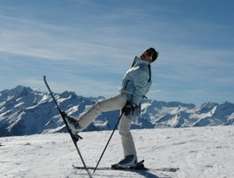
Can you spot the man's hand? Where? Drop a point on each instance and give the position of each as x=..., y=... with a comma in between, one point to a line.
x=64, y=115
x=128, y=108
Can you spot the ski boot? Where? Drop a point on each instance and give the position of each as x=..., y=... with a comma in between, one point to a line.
x=73, y=124
x=128, y=162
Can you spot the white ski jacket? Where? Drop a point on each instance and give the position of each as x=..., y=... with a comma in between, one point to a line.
x=137, y=81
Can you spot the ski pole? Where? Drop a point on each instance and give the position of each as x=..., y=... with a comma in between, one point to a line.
x=74, y=139
x=113, y=131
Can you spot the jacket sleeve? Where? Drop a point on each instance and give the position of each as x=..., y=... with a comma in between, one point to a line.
x=130, y=88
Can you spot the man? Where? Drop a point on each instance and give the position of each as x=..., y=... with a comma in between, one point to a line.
x=135, y=85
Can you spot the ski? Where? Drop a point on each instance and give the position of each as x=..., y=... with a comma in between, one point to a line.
x=136, y=170
x=109, y=168
x=73, y=137
x=139, y=167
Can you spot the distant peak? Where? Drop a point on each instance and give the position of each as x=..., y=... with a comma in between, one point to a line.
x=21, y=90
x=22, y=87
x=66, y=94
x=209, y=104
x=228, y=103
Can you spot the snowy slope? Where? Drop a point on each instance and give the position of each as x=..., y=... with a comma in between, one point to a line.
x=24, y=111
x=200, y=152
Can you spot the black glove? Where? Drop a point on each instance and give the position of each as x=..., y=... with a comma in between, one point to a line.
x=64, y=115
x=128, y=108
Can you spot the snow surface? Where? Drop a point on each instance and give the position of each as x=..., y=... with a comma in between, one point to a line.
x=201, y=152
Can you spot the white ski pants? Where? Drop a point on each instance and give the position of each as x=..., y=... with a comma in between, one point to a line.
x=113, y=103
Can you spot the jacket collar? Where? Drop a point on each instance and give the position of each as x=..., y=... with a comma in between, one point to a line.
x=140, y=61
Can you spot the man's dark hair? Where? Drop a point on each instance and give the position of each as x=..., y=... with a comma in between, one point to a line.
x=153, y=52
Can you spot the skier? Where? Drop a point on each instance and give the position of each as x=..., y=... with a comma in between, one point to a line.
x=135, y=85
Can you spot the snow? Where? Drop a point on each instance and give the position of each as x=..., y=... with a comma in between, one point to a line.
x=2, y=109
x=203, y=152
x=203, y=115
x=45, y=97
x=60, y=100
x=18, y=99
x=5, y=113
x=231, y=117
x=2, y=103
x=19, y=104
x=9, y=98
x=100, y=123
x=144, y=106
x=72, y=110
x=174, y=121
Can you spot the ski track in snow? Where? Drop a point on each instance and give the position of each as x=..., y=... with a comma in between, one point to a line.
x=205, y=152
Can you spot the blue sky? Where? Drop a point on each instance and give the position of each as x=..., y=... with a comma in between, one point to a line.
x=86, y=46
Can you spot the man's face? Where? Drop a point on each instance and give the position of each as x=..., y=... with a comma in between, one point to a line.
x=146, y=57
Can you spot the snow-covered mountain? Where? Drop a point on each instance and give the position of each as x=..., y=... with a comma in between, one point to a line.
x=24, y=111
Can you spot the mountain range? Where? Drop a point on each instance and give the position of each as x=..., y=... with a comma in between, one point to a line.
x=24, y=111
